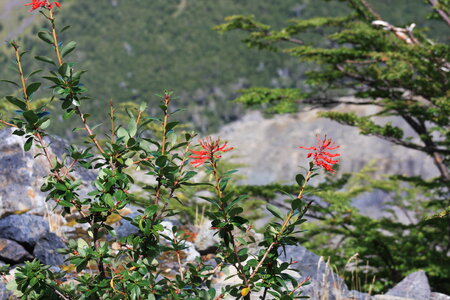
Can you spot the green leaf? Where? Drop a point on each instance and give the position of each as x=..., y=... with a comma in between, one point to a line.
x=171, y=125
x=46, y=37
x=30, y=116
x=300, y=179
x=11, y=82
x=33, y=87
x=143, y=106
x=161, y=161
x=297, y=204
x=34, y=73
x=64, y=28
x=132, y=128
x=64, y=70
x=28, y=144
x=68, y=48
x=275, y=211
x=68, y=114
x=45, y=124
x=45, y=59
x=19, y=103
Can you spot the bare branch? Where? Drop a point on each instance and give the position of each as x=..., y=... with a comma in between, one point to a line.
x=443, y=14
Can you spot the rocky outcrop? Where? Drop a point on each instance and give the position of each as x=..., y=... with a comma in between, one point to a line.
x=325, y=284
x=24, y=237
x=46, y=249
x=413, y=286
x=268, y=147
x=12, y=252
x=21, y=175
x=25, y=229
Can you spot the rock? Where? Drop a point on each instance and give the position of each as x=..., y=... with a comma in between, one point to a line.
x=206, y=240
x=46, y=250
x=324, y=283
x=387, y=297
x=4, y=293
x=25, y=229
x=21, y=176
x=414, y=286
x=439, y=296
x=126, y=228
x=13, y=253
x=262, y=141
x=357, y=295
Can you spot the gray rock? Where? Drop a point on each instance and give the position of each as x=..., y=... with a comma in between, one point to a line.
x=414, y=286
x=21, y=176
x=206, y=240
x=25, y=229
x=262, y=141
x=46, y=250
x=126, y=228
x=439, y=296
x=4, y=293
x=13, y=253
x=357, y=295
x=324, y=283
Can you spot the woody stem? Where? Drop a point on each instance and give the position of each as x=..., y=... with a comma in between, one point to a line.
x=285, y=223
x=240, y=268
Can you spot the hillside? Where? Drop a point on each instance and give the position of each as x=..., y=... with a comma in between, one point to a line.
x=148, y=47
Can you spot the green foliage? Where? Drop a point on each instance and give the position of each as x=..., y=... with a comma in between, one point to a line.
x=134, y=269
x=146, y=46
x=404, y=73
x=272, y=100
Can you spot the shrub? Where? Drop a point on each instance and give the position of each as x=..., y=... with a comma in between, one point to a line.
x=134, y=270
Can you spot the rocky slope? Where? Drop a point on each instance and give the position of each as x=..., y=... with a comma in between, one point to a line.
x=268, y=147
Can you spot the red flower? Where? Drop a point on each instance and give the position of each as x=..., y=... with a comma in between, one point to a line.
x=211, y=148
x=35, y=4
x=321, y=157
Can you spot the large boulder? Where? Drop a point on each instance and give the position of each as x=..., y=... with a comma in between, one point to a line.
x=22, y=175
x=269, y=146
x=324, y=282
x=46, y=250
x=413, y=286
x=26, y=229
x=12, y=252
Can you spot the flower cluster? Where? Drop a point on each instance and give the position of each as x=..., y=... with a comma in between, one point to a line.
x=211, y=148
x=35, y=4
x=321, y=157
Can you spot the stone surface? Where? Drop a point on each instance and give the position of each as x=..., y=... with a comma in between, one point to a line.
x=125, y=228
x=206, y=240
x=25, y=229
x=387, y=297
x=324, y=283
x=357, y=295
x=46, y=250
x=439, y=296
x=21, y=176
x=4, y=293
x=262, y=141
x=414, y=286
x=12, y=252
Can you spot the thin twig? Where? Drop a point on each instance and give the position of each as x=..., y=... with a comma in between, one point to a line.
x=435, y=4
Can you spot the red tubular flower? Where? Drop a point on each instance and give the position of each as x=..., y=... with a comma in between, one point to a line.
x=211, y=148
x=321, y=157
x=35, y=4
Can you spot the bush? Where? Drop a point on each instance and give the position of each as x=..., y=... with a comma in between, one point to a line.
x=134, y=270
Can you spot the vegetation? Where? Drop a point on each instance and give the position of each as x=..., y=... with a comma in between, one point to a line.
x=170, y=44
x=134, y=270
x=368, y=61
